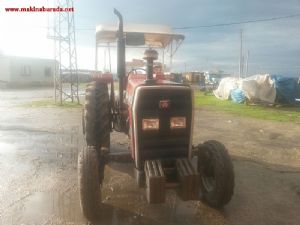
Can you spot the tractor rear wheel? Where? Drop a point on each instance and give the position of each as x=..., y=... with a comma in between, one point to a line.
x=216, y=171
x=96, y=118
x=90, y=174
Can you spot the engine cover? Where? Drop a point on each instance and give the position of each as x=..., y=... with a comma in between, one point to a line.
x=161, y=104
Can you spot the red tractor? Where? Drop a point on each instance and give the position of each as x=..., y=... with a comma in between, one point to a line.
x=157, y=115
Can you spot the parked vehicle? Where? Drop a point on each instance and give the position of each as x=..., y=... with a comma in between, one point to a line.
x=157, y=115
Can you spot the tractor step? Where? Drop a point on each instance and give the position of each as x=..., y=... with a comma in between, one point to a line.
x=189, y=180
x=155, y=181
x=182, y=176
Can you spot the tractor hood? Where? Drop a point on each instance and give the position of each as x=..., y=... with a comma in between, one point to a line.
x=137, y=80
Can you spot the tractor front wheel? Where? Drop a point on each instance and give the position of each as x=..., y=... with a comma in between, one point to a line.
x=96, y=116
x=216, y=171
x=90, y=174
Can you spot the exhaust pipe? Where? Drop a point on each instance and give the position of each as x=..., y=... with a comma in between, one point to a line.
x=121, y=69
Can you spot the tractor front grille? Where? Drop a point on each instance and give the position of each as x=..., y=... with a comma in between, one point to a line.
x=164, y=143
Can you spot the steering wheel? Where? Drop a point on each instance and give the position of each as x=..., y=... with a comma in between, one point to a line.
x=135, y=71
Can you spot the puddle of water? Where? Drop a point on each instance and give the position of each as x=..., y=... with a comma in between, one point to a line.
x=48, y=207
x=43, y=207
x=7, y=148
x=129, y=205
x=52, y=184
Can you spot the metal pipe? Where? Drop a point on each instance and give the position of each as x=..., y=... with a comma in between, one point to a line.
x=121, y=69
x=241, y=55
x=96, y=56
x=109, y=57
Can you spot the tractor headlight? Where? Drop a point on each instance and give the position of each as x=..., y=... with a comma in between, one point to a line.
x=150, y=124
x=177, y=122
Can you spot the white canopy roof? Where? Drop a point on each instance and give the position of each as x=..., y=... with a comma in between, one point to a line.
x=155, y=35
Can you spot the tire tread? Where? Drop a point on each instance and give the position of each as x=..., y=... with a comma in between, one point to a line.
x=223, y=170
x=97, y=115
x=89, y=184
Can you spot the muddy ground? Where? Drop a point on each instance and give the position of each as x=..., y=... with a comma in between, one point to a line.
x=38, y=170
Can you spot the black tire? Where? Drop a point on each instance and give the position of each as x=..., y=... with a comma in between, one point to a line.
x=217, y=175
x=96, y=120
x=89, y=182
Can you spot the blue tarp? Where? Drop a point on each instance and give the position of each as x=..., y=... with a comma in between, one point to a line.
x=287, y=89
x=237, y=95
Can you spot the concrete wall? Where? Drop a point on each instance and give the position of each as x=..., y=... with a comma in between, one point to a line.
x=4, y=70
x=31, y=71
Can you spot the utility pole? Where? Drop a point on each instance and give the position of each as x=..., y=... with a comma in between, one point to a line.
x=241, y=55
x=247, y=60
x=66, y=71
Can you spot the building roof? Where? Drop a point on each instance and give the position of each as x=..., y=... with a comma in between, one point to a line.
x=25, y=57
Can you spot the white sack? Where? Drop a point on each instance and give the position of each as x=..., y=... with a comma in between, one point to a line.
x=226, y=85
x=259, y=88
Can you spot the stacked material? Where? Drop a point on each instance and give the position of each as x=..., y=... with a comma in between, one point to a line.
x=287, y=89
x=225, y=87
x=260, y=88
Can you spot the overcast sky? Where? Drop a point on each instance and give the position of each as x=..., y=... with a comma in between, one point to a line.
x=274, y=47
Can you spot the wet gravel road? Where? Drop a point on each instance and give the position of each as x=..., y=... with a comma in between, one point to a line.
x=38, y=170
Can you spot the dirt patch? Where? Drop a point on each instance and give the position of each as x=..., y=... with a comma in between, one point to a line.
x=264, y=141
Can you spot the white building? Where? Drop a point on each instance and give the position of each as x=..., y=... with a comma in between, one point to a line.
x=18, y=71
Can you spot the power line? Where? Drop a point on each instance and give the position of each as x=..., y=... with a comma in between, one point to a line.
x=221, y=24
x=236, y=23
x=89, y=28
